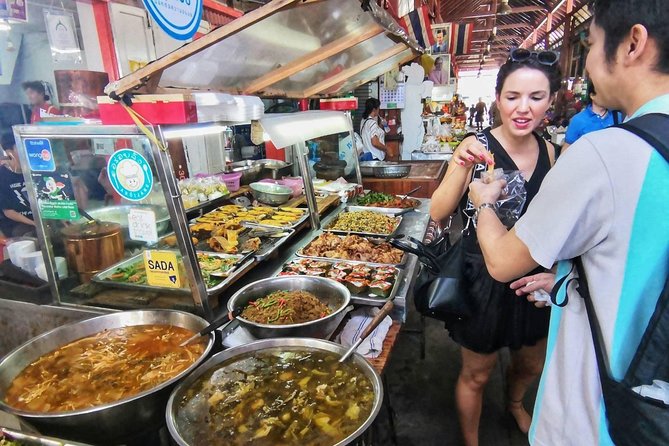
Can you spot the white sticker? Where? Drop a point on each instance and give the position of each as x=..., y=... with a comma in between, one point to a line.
x=103, y=146
x=142, y=225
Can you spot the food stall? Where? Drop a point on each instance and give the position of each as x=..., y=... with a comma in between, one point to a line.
x=158, y=265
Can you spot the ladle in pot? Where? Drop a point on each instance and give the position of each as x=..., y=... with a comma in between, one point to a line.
x=385, y=311
x=225, y=319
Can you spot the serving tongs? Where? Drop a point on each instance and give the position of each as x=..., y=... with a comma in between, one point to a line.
x=223, y=321
x=385, y=311
x=414, y=190
x=264, y=231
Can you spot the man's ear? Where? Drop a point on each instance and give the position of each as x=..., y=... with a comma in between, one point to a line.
x=635, y=45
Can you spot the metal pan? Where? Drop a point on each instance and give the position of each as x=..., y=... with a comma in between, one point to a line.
x=376, y=241
x=328, y=228
x=35, y=439
x=392, y=211
x=295, y=224
x=368, y=298
x=234, y=274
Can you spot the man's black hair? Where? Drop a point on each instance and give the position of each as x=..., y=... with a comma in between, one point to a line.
x=7, y=140
x=370, y=105
x=35, y=86
x=617, y=17
x=591, y=92
x=553, y=73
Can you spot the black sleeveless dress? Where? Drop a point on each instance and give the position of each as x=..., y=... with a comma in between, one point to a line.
x=500, y=317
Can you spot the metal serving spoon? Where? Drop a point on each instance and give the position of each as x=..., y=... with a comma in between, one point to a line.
x=385, y=311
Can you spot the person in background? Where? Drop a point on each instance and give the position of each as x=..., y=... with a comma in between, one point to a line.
x=481, y=109
x=437, y=74
x=605, y=202
x=472, y=114
x=592, y=118
x=14, y=202
x=526, y=86
x=39, y=101
x=373, y=135
x=441, y=46
x=493, y=115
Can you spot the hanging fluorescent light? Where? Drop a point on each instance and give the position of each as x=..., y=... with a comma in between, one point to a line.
x=286, y=129
x=504, y=8
x=4, y=26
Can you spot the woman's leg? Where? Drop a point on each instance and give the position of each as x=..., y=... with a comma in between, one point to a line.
x=476, y=370
x=526, y=366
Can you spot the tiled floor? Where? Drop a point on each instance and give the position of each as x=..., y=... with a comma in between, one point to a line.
x=422, y=394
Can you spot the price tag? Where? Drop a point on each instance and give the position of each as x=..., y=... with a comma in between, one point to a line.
x=142, y=225
x=162, y=269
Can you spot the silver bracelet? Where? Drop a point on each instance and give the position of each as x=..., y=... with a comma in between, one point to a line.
x=492, y=206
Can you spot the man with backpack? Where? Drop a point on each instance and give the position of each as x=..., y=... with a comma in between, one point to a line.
x=603, y=215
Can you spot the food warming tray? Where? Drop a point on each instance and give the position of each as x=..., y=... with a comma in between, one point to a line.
x=392, y=211
x=235, y=273
x=361, y=299
x=328, y=228
x=295, y=224
x=376, y=241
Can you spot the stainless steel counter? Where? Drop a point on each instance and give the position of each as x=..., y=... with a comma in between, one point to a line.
x=413, y=223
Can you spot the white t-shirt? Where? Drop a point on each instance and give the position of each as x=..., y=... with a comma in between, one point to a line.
x=605, y=200
x=370, y=128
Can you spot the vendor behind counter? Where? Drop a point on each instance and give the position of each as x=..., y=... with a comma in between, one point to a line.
x=17, y=217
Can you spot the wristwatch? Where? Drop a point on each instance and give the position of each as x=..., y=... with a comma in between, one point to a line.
x=492, y=206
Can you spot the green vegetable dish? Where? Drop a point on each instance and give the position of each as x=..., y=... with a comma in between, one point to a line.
x=276, y=397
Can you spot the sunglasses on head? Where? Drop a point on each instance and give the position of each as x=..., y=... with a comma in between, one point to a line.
x=548, y=58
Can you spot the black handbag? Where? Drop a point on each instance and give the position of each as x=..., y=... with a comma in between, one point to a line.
x=438, y=292
x=632, y=418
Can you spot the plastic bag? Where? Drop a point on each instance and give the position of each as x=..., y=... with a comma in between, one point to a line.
x=512, y=201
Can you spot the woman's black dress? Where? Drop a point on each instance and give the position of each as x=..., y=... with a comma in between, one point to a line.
x=501, y=318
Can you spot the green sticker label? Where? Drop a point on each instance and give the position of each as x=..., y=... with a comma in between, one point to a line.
x=59, y=210
x=55, y=196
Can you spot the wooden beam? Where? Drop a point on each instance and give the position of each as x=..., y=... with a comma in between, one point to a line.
x=139, y=77
x=354, y=70
x=507, y=26
x=517, y=10
x=319, y=55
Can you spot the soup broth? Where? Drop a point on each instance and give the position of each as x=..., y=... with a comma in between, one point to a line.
x=106, y=367
x=273, y=397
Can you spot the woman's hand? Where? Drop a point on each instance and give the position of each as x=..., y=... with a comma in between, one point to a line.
x=528, y=285
x=470, y=152
x=480, y=192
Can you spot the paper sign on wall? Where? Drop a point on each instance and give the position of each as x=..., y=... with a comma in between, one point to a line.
x=162, y=269
x=62, y=33
x=142, y=225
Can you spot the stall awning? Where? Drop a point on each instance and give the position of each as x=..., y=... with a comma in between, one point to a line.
x=287, y=48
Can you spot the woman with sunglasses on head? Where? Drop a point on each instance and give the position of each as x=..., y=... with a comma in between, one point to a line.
x=526, y=86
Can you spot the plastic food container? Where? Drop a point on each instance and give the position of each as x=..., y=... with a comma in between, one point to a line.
x=232, y=180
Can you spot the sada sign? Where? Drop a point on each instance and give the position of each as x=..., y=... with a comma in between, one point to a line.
x=178, y=18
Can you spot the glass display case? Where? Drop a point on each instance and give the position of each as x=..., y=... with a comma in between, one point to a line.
x=110, y=219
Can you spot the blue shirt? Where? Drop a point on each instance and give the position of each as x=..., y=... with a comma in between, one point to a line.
x=586, y=121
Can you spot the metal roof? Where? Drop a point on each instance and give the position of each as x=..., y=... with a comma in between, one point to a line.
x=514, y=29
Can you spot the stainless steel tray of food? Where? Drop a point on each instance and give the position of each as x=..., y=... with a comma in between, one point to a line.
x=413, y=203
x=134, y=266
x=384, y=215
x=365, y=243
x=271, y=238
x=364, y=280
x=280, y=216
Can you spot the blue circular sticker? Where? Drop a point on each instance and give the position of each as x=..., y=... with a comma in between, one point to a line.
x=178, y=18
x=130, y=175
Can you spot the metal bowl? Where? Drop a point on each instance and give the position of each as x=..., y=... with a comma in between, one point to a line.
x=311, y=344
x=110, y=423
x=119, y=214
x=249, y=169
x=332, y=293
x=272, y=194
x=367, y=167
x=392, y=171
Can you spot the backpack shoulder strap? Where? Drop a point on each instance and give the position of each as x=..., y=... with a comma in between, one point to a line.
x=653, y=128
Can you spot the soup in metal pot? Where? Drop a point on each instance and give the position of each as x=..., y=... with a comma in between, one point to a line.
x=103, y=368
x=276, y=397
